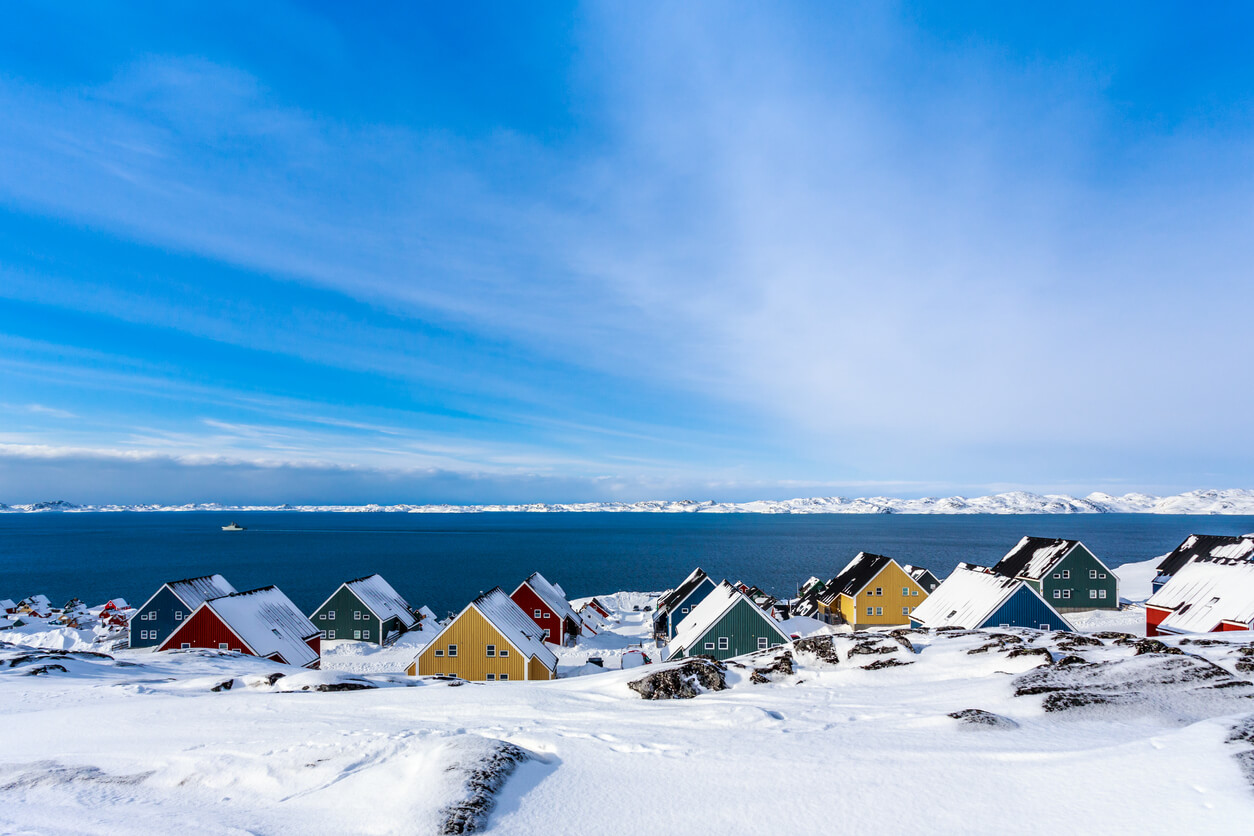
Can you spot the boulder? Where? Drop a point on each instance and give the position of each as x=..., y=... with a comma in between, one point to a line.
x=689, y=679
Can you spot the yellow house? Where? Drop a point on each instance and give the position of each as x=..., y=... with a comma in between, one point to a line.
x=872, y=591
x=491, y=640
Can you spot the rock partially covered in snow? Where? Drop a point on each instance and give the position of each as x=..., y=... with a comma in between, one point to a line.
x=691, y=678
x=981, y=719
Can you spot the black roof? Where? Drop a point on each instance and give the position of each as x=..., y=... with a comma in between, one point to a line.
x=1017, y=559
x=682, y=591
x=860, y=571
x=1198, y=545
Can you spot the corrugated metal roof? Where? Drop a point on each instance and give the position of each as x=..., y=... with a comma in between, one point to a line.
x=382, y=599
x=857, y=573
x=1207, y=545
x=514, y=624
x=709, y=612
x=195, y=591
x=682, y=591
x=552, y=595
x=269, y=622
x=1033, y=557
x=1205, y=592
x=966, y=598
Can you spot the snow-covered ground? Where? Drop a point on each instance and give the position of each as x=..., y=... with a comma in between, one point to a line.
x=1133, y=741
x=1230, y=501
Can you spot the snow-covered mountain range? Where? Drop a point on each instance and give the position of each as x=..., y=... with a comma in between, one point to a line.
x=1231, y=501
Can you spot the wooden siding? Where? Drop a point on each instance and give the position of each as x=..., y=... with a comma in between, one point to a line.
x=1025, y=610
x=472, y=633
x=677, y=615
x=1153, y=617
x=742, y=626
x=529, y=602
x=205, y=629
x=537, y=670
x=1078, y=565
x=336, y=615
x=891, y=580
x=170, y=613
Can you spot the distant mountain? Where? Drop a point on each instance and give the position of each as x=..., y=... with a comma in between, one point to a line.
x=1232, y=501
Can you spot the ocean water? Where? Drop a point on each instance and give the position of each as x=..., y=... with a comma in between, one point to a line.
x=445, y=560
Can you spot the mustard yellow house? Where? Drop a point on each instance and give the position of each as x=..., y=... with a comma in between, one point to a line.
x=872, y=591
x=491, y=640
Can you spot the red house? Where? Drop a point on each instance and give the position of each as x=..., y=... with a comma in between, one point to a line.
x=597, y=607
x=1207, y=595
x=261, y=622
x=546, y=605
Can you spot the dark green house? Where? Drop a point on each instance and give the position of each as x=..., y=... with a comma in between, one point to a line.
x=1064, y=572
x=725, y=624
x=366, y=609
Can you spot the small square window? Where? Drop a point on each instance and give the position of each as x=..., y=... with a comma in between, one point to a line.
x=222, y=646
x=914, y=593
x=905, y=592
x=1066, y=593
x=1057, y=593
x=331, y=614
x=491, y=651
x=685, y=609
x=709, y=645
x=762, y=642
x=546, y=635
x=178, y=615
x=186, y=646
x=1101, y=593
x=870, y=610
x=322, y=616
x=1093, y=594
x=546, y=615
x=1066, y=574
x=869, y=592
x=1046, y=627
x=504, y=677
x=879, y=610
x=1057, y=575
x=439, y=653
x=535, y=613
x=504, y=652
x=330, y=634
x=905, y=610
x=879, y=590
x=452, y=650
x=1093, y=574
x=491, y=677
x=356, y=615
x=723, y=643
x=1102, y=576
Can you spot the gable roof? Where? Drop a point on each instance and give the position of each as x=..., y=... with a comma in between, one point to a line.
x=7, y=604
x=514, y=625
x=268, y=622
x=921, y=576
x=1034, y=557
x=968, y=597
x=552, y=595
x=710, y=611
x=857, y=574
x=195, y=591
x=1207, y=545
x=382, y=600
x=679, y=593
x=1205, y=592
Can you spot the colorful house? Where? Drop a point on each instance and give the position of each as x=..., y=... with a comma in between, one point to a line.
x=599, y=608
x=365, y=609
x=725, y=624
x=7, y=606
x=491, y=640
x=871, y=591
x=925, y=579
x=260, y=622
x=1063, y=571
x=1206, y=595
x=678, y=604
x=1203, y=545
x=545, y=603
x=171, y=605
x=975, y=597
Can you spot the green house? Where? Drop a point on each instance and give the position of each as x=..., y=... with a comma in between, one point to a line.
x=1063, y=572
x=366, y=609
x=725, y=624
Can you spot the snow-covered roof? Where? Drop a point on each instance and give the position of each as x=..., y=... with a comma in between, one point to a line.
x=920, y=575
x=195, y=591
x=1034, y=557
x=268, y=622
x=7, y=604
x=512, y=623
x=552, y=595
x=1207, y=545
x=966, y=598
x=1205, y=592
x=382, y=599
x=709, y=612
x=427, y=614
x=857, y=573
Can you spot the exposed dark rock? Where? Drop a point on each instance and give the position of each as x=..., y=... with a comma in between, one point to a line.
x=872, y=648
x=1072, y=659
x=899, y=636
x=356, y=685
x=980, y=718
x=1155, y=646
x=53, y=774
x=782, y=665
x=691, y=678
x=274, y=677
x=1148, y=680
x=224, y=685
x=1244, y=666
x=483, y=781
x=54, y=656
x=1113, y=635
x=1040, y=652
x=821, y=647
x=1242, y=732
x=1203, y=642
x=40, y=670
x=880, y=664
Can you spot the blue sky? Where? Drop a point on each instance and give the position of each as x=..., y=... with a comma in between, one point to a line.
x=314, y=253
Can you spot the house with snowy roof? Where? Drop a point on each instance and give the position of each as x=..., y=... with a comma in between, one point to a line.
x=39, y=606
x=1203, y=545
x=725, y=624
x=1066, y=573
x=7, y=606
x=676, y=605
x=975, y=597
x=925, y=579
x=871, y=591
x=597, y=607
x=171, y=605
x=491, y=640
x=545, y=603
x=1206, y=595
x=365, y=609
x=260, y=622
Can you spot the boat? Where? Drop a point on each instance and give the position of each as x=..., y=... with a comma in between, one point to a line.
x=234, y=526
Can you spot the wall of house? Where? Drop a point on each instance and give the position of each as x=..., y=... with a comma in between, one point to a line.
x=170, y=613
x=686, y=606
x=537, y=670
x=205, y=629
x=898, y=595
x=348, y=618
x=472, y=633
x=528, y=601
x=1153, y=617
x=1025, y=610
x=742, y=626
x=1085, y=592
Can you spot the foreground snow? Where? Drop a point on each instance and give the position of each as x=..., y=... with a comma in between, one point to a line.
x=1232, y=501
x=142, y=742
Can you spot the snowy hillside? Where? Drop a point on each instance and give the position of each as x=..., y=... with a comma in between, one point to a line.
x=1231, y=501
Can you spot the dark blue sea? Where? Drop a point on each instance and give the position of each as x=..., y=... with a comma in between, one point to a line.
x=445, y=560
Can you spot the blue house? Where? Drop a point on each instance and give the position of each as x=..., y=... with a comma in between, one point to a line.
x=676, y=605
x=975, y=596
x=170, y=605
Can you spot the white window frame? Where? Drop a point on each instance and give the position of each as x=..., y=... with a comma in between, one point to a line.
x=223, y=646
x=1047, y=628
x=356, y=615
x=1101, y=593
x=185, y=646
x=356, y=635
x=331, y=634
x=331, y=614
x=535, y=613
x=440, y=653
x=1066, y=594
x=1057, y=594
x=504, y=677
x=1066, y=574
x=724, y=643
x=452, y=651
x=709, y=645
x=879, y=610
x=178, y=615
x=1092, y=574
x=491, y=651
x=546, y=615
x=879, y=591
x=870, y=610
x=546, y=634
x=491, y=677
x=905, y=610
x=762, y=642
x=503, y=653
x=1093, y=594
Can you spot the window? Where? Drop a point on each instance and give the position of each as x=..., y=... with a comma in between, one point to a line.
x=1101, y=593
x=322, y=634
x=546, y=615
x=723, y=643
x=870, y=610
x=331, y=614
x=504, y=652
x=322, y=616
x=1057, y=575
x=330, y=634
x=1057, y=593
x=491, y=651
x=915, y=593
x=439, y=653
x=491, y=677
x=356, y=615
x=879, y=610
x=879, y=590
x=761, y=642
x=685, y=609
x=178, y=615
x=357, y=635
x=1066, y=593
x=452, y=650
x=1004, y=626
x=1046, y=627
x=222, y=646
x=869, y=592
x=905, y=610
x=536, y=613
x=1102, y=576
x=905, y=592
x=1093, y=593
x=185, y=646
x=504, y=677
x=709, y=645
x=1066, y=574
x=1092, y=574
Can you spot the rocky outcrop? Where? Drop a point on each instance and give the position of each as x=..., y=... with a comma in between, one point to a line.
x=689, y=679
